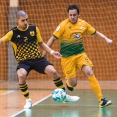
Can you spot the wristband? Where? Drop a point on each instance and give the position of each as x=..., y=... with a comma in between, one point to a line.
x=52, y=51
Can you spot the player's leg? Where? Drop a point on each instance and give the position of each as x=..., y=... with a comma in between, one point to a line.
x=69, y=68
x=71, y=83
x=45, y=66
x=88, y=71
x=52, y=72
x=22, y=71
x=49, y=70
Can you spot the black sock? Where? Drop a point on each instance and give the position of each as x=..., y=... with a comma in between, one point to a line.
x=58, y=82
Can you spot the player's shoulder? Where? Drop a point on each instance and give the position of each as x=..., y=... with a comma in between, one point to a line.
x=64, y=22
x=14, y=28
x=82, y=21
x=32, y=25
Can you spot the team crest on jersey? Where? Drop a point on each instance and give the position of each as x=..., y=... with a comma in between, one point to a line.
x=32, y=33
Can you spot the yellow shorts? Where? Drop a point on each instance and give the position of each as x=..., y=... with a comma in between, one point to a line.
x=71, y=64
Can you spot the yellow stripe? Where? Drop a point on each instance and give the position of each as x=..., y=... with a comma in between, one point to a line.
x=68, y=83
x=57, y=81
x=25, y=92
x=22, y=86
x=61, y=86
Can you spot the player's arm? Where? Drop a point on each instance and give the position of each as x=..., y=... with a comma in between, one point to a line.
x=49, y=50
x=97, y=34
x=103, y=37
x=45, y=46
x=7, y=37
x=56, y=34
x=49, y=43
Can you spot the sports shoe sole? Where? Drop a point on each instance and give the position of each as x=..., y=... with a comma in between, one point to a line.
x=71, y=101
x=109, y=103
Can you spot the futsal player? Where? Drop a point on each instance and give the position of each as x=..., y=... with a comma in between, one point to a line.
x=70, y=33
x=25, y=39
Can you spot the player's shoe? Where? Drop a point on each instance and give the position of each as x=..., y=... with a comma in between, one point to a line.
x=28, y=104
x=71, y=98
x=104, y=103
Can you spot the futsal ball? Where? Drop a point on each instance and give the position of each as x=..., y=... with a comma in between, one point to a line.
x=59, y=95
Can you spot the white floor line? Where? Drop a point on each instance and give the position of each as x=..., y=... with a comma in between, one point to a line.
x=32, y=105
x=8, y=92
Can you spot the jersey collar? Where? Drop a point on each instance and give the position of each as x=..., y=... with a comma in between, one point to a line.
x=22, y=29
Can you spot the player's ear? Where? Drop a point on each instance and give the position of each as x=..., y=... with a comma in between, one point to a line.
x=17, y=20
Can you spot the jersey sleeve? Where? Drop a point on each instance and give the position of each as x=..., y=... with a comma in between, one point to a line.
x=8, y=36
x=59, y=30
x=39, y=38
x=90, y=29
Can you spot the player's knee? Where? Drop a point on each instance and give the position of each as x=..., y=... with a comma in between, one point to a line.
x=21, y=73
x=89, y=73
x=73, y=81
x=54, y=73
x=21, y=76
x=74, y=84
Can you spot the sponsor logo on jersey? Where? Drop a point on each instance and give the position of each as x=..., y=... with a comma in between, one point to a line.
x=77, y=36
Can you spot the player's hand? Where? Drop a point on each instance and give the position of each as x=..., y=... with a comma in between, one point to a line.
x=44, y=54
x=57, y=55
x=109, y=41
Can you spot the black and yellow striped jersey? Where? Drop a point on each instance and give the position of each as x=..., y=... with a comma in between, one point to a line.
x=24, y=42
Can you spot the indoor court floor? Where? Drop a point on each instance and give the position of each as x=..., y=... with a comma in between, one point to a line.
x=12, y=103
x=87, y=106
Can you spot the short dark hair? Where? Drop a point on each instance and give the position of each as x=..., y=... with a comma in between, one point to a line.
x=72, y=7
